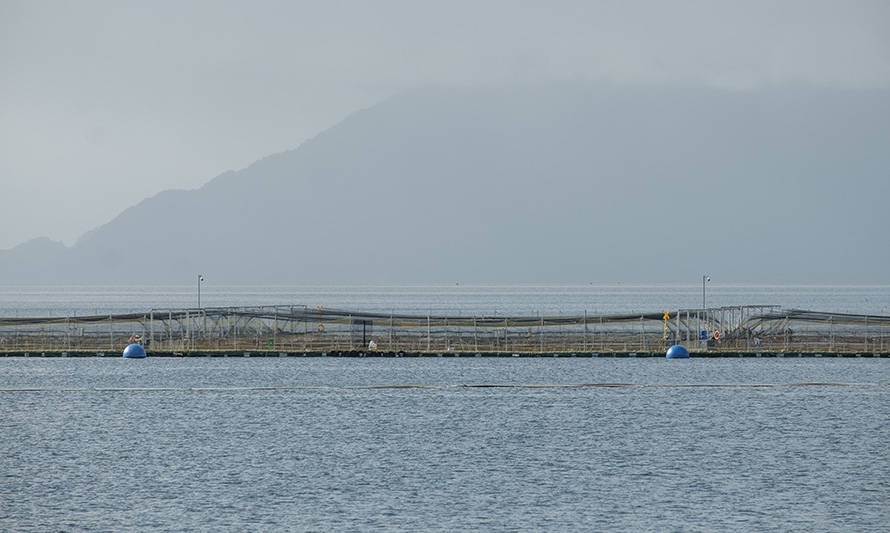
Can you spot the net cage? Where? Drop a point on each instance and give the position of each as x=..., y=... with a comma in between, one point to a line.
x=294, y=328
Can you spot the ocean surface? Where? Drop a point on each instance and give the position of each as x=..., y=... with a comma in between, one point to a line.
x=342, y=444
x=444, y=444
x=451, y=298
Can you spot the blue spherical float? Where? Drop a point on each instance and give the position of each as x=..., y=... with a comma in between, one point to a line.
x=134, y=351
x=677, y=352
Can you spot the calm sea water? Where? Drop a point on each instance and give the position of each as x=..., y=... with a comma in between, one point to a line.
x=454, y=299
x=341, y=444
x=235, y=444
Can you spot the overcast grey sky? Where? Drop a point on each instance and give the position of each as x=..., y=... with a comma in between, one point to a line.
x=105, y=103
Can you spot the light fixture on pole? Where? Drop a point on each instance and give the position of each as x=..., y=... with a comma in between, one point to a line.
x=703, y=280
x=200, y=280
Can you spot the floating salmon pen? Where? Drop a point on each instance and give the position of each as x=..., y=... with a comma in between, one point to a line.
x=282, y=330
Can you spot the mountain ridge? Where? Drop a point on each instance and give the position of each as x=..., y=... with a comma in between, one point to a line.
x=533, y=184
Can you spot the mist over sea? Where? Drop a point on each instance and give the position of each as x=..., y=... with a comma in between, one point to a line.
x=452, y=298
x=258, y=191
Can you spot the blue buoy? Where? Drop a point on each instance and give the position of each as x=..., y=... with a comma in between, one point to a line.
x=677, y=352
x=134, y=351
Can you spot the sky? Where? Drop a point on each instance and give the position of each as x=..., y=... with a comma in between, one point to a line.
x=104, y=103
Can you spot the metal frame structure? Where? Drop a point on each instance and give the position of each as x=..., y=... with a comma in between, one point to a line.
x=296, y=328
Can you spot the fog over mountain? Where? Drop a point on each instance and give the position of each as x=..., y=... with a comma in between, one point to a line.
x=558, y=183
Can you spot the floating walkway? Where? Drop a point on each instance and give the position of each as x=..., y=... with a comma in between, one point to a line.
x=385, y=354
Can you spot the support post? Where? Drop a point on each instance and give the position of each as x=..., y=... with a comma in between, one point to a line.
x=687, y=325
x=602, y=336
x=541, y=336
x=677, y=336
x=585, y=330
x=785, y=331
x=866, y=334
x=831, y=330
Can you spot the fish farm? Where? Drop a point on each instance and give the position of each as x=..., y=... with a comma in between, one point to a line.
x=290, y=330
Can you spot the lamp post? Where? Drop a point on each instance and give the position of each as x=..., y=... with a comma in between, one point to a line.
x=702, y=320
x=200, y=280
x=703, y=280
